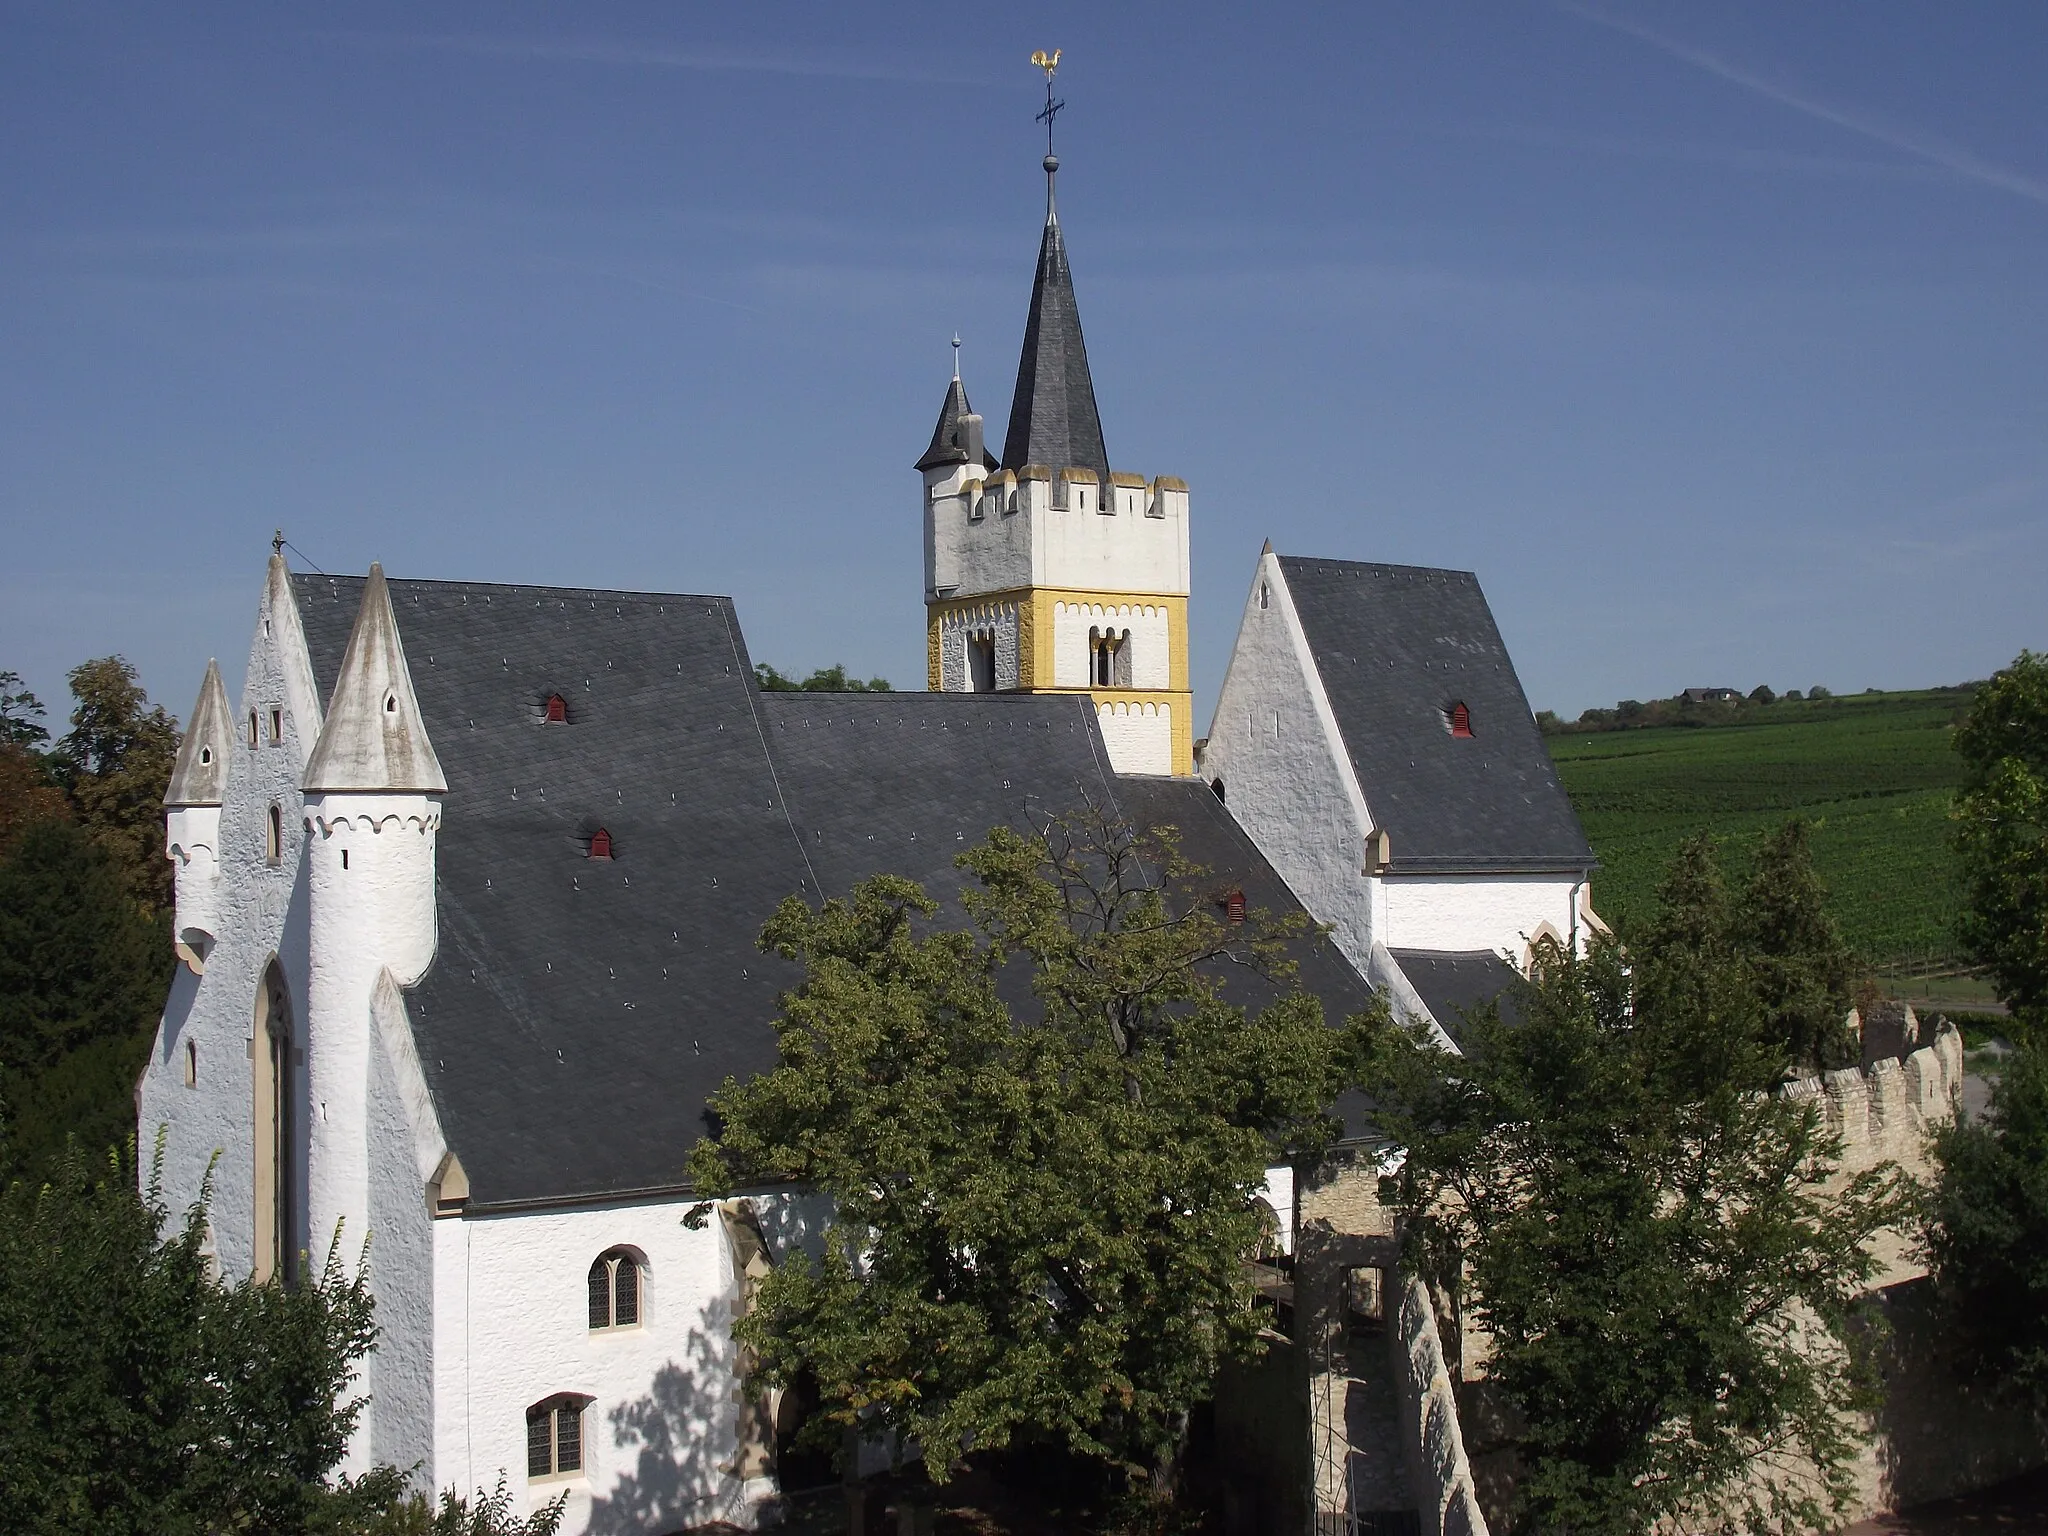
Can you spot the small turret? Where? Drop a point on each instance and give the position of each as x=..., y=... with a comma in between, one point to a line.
x=192, y=818
x=373, y=814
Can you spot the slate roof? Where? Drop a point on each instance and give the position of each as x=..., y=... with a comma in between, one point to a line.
x=949, y=443
x=1053, y=419
x=579, y=1012
x=1396, y=646
x=1453, y=983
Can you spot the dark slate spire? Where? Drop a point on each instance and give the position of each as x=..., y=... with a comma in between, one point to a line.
x=957, y=437
x=1053, y=420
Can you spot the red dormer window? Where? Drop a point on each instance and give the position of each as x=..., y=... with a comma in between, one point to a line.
x=1459, y=718
x=600, y=844
x=558, y=710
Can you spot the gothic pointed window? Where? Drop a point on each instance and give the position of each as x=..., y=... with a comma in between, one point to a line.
x=615, y=1290
x=273, y=846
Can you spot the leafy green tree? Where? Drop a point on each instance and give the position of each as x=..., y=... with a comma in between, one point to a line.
x=115, y=764
x=28, y=794
x=1987, y=1232
x=21, y=714
x=1762, y=694
x=832, y=679
x=1795, y=949
x=82, y=977
x=2001, y=836
x=1668, y=1278
x=1041, y=1214
x=139, y=1394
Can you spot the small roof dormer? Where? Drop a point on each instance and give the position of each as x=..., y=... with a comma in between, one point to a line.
x=957, y=439
x=201, y=771
x=375, y=739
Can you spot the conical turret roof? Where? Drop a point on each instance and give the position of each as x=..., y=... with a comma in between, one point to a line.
x=1053, y=420
x=201, y=770
x=374, y=739
x=949, y=442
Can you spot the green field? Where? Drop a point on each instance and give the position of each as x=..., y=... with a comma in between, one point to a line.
x=1871, y=773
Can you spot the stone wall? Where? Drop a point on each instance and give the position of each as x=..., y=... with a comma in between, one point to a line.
x=1439, y=1473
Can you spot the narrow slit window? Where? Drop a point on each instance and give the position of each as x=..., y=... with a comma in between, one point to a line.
x=277, y=727
x=273, y=849
x=191, y=1064
x=252, y=728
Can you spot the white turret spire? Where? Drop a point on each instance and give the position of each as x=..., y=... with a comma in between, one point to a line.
x=202, y=767
x=374, y=739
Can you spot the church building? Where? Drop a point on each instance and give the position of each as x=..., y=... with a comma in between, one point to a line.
x=469, y=880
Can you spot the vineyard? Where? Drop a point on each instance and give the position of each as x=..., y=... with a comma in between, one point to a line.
x=1870, y=773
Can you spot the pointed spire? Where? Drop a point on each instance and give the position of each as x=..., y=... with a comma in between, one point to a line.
x=375, y=738
x=202, y=766
x=1053, y=419
x=957, y=437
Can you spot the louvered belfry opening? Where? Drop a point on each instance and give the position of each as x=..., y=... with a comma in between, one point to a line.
x=600, y=844
x=1460, y=720
x=558, y=710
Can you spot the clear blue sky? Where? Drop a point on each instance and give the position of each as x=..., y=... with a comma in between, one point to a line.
x=1712, y=336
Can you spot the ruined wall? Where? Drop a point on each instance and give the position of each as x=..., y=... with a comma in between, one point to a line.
x=1440, y=1475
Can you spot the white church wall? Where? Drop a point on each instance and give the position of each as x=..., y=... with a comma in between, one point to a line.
x=1113, y=551
x=399, y=1374
x=260, y=912
x=972, y=554
x=1275, y=748
x=1138, y=736
x=512, y=1325
x=1500, y=913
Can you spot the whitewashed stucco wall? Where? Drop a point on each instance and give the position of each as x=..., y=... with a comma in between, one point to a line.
x=1275, y=748
x=1150, y=642
x=512, y=1328
x=1500, y=913
x=1137, y=736
x=259, y=910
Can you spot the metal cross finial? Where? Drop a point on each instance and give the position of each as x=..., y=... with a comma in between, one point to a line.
x=277, y=543
x=1049, y=62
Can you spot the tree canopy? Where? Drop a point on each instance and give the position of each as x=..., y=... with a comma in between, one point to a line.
x=1646, y=1230
x=1042, y=1132
x=832, y=679
x=2001, y=836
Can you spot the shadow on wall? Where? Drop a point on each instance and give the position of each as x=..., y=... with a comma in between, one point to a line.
x=683, y=1429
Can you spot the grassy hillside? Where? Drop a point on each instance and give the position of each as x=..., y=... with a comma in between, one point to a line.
x=1872, y=773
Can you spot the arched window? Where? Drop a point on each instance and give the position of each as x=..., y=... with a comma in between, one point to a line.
x=252, y=728
x=600, y=844
x=1107, y=644
x=273, y=847
x=558, y=710
x=981, y=663
x=1217, y=786
x=615, y=1290
x=191, y=1064
x=1459, y=719
x=554, y=1436
x=277, y=727
x=271, y=1059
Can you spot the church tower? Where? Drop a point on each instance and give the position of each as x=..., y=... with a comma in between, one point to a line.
x=1045, y=571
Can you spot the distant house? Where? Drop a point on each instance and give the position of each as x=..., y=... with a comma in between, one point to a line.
x=1712, y=696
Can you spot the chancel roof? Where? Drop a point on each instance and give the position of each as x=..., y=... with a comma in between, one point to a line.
x=1398, y=648
x=579, y=1011
x=1456, y=983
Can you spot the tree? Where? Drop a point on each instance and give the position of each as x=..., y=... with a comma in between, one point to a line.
x=21, y=713
x=1040, y=1214
x=115, y=764
x=28, y=794
x=1987, y=1233
x=140, y=1394
x=82, y=976
x=1762, y=694
x=1795, y=948
x=832, y=679
x=2001, y=836
x=1667, y=1274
